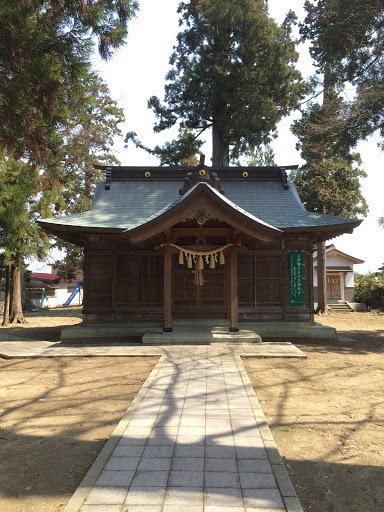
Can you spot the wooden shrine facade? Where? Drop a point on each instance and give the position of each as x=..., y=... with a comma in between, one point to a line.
x=237, y=247
x=124, y=283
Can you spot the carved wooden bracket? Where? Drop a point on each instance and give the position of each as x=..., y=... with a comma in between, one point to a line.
x=202, y=216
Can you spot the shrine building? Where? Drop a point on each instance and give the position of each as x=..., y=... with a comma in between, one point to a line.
x=167, y=243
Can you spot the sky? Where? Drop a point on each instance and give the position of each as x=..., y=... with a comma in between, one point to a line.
x=137, y=72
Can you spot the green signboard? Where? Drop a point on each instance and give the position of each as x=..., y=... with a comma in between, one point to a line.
x=296, y=288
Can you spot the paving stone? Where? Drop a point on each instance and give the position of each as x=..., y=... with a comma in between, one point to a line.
x=133, y=441
x=142, y=508
x=208, y=421
x=257, y=481
x=189, y=451
x=254, y=466
x=251, y=442
x=158, y=451
x=220, y=452
x=190, y=440
x=122, y=463
x=188, y=464
x=220, y=440
x=186, y=478
x=262, y=498
x=164, y=431
x=106, y=496
x=219, y=496
x=224, y=509
x=247, y=452
x=153, y=478
x=101, y=508
x=128, y=451
x=161, y=441
x=145, y=496
x=151, y=464
x=115, y=478
x=192, y=421
x=263, y=509
x=221, y=479
x=219, y=465
x=181, y=508
x=183, y=496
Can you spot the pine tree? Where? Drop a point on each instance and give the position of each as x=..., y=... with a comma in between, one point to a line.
x=233, y=71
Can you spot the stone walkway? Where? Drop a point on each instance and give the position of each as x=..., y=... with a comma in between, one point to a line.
x=194, y=439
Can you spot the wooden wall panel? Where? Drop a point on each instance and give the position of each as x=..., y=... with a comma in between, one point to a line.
x=259, y=278
x=128, y=280
x=246, y=280
x=100, y=273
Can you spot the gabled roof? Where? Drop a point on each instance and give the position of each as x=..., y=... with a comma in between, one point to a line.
x=239, y=217
x=131, y=198
x=332, y=248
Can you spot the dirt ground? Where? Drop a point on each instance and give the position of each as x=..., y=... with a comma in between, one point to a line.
x=45, y=324
x=326, y=413
x=56, y=415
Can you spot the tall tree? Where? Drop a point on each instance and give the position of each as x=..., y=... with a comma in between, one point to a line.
x=19, y=236
x=329, y=182
x=87, y=140
x=233, y=71
x=45, y=49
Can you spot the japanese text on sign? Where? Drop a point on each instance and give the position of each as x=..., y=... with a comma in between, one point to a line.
x=296, y=289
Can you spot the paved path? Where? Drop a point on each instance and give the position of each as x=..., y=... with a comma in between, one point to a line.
x=194, y=439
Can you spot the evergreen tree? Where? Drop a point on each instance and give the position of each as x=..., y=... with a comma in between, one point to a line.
x=20, y=237
x=233, y=71
x=329, y=182
x=87, y=140
x=45, y=49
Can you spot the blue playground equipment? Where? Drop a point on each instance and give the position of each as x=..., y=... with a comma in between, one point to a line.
x=79, y=287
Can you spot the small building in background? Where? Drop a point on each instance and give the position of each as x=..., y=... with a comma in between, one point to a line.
x=340, y=276
x=44, y=289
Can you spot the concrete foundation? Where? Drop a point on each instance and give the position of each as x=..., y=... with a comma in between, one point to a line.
x=199, y=331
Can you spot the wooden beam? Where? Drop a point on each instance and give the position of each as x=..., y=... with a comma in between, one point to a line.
x=234, y=296
x=167, y=291
x=177, y=232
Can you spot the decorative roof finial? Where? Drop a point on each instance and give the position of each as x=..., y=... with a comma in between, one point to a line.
x=201, y=173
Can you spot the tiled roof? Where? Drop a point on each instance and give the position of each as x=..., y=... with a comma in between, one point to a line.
x=219, y=197
x=130, y=203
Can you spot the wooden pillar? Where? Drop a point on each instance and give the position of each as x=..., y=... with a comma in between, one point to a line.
x=284, y=276
x=322, y=307
x=310, y=277
x=233, y=294
x=167, y=291
x=114, y=274
x=85, y=274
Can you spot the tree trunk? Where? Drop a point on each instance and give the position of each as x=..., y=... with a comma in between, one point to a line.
x=322, y=307
x=220, y=148
x=16, y=314
x=7, y=299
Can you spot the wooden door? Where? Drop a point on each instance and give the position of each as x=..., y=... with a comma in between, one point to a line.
x=206, y=301
x=333, y=287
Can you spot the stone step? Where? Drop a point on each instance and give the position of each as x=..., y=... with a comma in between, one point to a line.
x=340, y=306
x=187, y=335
